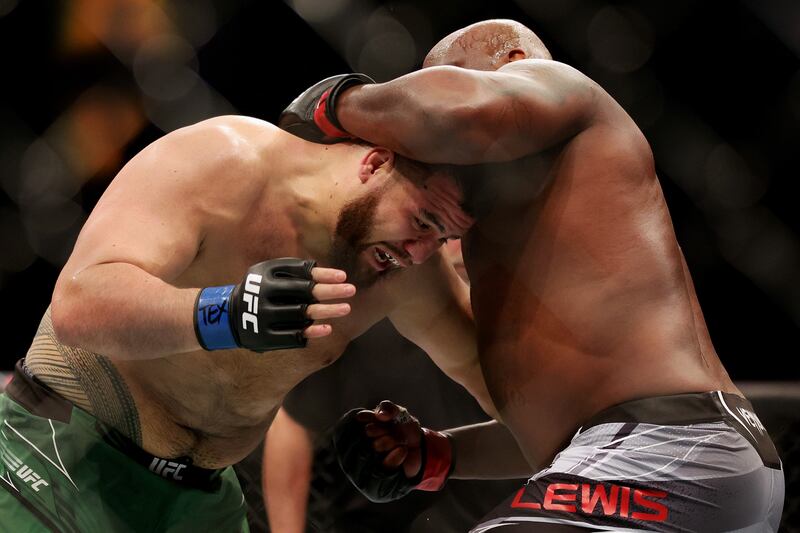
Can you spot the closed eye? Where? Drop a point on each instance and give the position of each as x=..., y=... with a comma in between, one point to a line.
x=421, y=225
x=434, y=220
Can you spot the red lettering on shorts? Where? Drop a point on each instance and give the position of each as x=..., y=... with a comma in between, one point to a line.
x=589, y=500
x=624, y=505
x=519, y=504
x=552, y=500
x=616, y=500
x=640, y=499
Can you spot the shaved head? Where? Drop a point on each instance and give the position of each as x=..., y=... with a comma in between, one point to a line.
x=487, y=45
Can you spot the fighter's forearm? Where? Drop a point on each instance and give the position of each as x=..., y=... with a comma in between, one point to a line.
x=460, y=116
x=121, y=311
x=424, y=115
x=487, y=451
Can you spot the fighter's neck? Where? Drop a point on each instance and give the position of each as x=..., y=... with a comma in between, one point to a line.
x=318, y=181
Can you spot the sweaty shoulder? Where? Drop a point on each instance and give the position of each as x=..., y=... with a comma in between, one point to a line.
x=216, y=157
x=565, y=84
x=202, y=176
x=568, y=87
x=223, y=140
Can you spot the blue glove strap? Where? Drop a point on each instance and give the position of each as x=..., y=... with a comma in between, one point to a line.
x=212, y=320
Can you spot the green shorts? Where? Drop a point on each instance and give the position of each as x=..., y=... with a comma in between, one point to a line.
x=60, y=471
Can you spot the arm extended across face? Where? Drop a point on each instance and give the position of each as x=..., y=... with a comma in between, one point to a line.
x=460, y=116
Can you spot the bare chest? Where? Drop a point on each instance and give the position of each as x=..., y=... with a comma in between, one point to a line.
x=229, y=248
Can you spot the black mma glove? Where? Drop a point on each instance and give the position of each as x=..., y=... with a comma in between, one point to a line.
x=363, y=465
x=312, y=115
x=266, y=311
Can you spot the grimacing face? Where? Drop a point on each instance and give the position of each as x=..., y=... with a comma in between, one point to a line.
x=395, y=225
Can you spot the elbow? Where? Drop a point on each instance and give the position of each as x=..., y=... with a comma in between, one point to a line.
x=64, y=315
x=63, y=323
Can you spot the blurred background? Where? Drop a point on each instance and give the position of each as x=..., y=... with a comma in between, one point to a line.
x=715, y=86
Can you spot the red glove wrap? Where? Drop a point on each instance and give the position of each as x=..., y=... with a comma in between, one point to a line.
x=438, y=460
x=322, y=121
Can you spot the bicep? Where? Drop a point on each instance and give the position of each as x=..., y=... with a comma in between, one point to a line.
x=150, y=216
x=530, y=106
x=453, y=115
x=161, y=245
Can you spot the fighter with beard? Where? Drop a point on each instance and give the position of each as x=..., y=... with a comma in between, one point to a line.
x=147, y=379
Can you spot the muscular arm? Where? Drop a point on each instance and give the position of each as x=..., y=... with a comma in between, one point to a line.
x=433, y=311
x=286, y=479
x=454, y=115
x=488, y=451
x=479, y=451
x=116, y=294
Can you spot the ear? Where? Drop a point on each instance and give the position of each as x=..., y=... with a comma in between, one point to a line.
x=516, y=54
x=378, y=158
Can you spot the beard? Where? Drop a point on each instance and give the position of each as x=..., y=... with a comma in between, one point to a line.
x=352, y=227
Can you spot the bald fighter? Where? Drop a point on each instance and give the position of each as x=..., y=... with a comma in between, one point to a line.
x=175, y=329
x=592, y=341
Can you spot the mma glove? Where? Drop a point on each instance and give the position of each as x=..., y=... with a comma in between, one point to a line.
x=312, y=115
x=364, y=467
x=266, y=311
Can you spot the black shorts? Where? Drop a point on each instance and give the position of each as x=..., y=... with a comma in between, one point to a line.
x=688, y=462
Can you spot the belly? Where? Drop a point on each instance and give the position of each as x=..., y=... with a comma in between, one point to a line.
x=554, y=352
x=542, y=397
x=215, y=407
x=211, y=406
x=224, y=447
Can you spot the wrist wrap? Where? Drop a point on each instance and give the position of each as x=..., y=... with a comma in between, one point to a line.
x=212, y=323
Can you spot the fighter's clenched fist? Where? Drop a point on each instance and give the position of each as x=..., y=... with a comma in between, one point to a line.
x=386, y=453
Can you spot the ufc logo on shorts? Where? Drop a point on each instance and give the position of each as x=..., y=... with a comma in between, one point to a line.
x=252, y=285
x=24, y=472
x=167, y=469
x=32, y=478
x=751, y=418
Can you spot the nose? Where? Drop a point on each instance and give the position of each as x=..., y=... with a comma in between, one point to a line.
x=419, y=250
